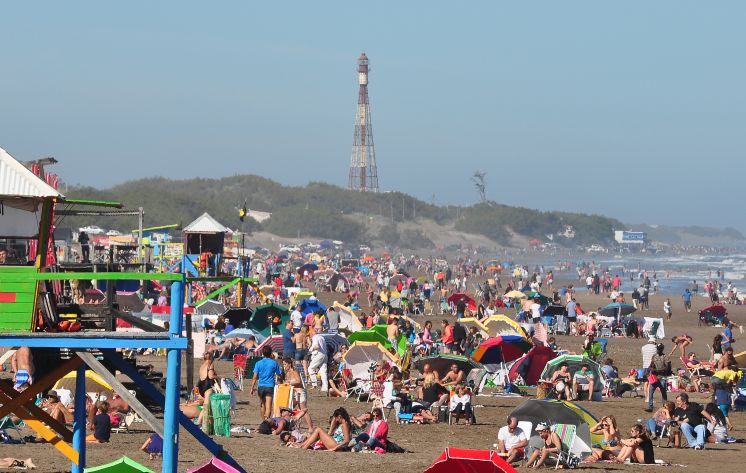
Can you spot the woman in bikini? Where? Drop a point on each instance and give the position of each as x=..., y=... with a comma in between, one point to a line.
x=609, y=447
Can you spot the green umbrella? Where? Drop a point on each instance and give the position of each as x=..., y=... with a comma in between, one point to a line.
x=269, y=317
x=543, y=300
x=123, y=465
x=378, y=334
x=574, y=362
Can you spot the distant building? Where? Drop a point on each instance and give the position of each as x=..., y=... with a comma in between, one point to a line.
x=630, y=238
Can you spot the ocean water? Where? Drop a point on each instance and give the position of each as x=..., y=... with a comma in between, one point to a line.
x=676, y=273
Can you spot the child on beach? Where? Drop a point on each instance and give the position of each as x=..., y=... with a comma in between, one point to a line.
x=101, y=424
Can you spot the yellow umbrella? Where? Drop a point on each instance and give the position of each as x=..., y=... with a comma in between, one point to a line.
x=502, y=325
x=515, y=294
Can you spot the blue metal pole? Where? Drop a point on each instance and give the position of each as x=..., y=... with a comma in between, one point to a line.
x=79, y=423
x=173, y=385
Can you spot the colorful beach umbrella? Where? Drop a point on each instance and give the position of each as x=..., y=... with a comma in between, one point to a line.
x=215, y=465
x=93, y=383
x=497, y=350
x=552, y=411
x=457, y=296
x=460, y=460
x=500, y=325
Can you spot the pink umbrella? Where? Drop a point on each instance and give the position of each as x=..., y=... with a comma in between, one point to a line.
x=215, y=465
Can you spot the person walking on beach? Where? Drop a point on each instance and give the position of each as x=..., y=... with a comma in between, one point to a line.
x=660, y=367
x=667, y=309
x=687, y=296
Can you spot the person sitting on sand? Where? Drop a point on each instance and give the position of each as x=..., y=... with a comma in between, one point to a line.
x=101, y=424
x=511, y=441
x=561, y=381
x=153, y=446
x=54, y=407
x=288, y=420
x=638, y=447
x=663, y=416
x=338, y=435
x=461, y=405
x=609, y=446
x=375, y=435
x=551, y=446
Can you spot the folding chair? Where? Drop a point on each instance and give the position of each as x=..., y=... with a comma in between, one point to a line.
x=283, y=397
x=239, y=367
x=6, y=423
x=566, y=456
x=610, y=386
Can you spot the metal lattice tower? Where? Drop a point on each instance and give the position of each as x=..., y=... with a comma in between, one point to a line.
x=363, y=171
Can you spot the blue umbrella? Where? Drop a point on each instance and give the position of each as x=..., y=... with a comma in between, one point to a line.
x=246, y=333
x=617, y=309
x=311, y=304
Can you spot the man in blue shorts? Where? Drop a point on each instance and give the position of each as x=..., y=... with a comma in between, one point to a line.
x=265, y=372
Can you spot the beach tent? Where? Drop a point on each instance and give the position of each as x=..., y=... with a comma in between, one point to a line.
x=530, y=366
x=574, y=362
x=348, y=321
x=269, y=317
x=93, y=383
x=617, y=309
x=215, y=465
x=551, y=411
x=459, y=460
x=442, y=363
x=361, y=355
x=498, y=325
x=311, y=304
x=123, y=465
x=650, y=323
x=499, y=350
x=377, y=333
x=454, y=298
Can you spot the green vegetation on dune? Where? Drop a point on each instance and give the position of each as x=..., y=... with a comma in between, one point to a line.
x=324, y=211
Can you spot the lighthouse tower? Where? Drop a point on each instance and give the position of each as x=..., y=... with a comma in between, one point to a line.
x=363, y=172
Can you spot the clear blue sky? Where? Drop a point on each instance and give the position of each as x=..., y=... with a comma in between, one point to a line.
x=632, y=109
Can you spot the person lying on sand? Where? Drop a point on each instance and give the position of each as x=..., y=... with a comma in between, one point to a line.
x=15, y=463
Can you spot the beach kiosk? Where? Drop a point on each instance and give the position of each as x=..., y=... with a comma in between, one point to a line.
x=26, y=217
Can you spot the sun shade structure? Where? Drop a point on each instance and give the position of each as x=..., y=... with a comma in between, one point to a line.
x=377, y=333
x=348, y=321
x=468, y=322
x=457, y=296
x=531, y=365
x=442, y=363
x=497, y=350
x=361, y=355
x=210, y=307
x=123, y=465
x=499, y=325
x=93, y=383
x=551, y=411
x=515, y=295
x=215, y=465
x=460, y=460
x=269, y=317
x=617, y=309
x=245, y=333
x=543, y=300
x=205, y=234
x=574, y=363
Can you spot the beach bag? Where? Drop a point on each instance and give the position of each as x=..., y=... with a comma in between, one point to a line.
x=221, y=414
x=391, y=447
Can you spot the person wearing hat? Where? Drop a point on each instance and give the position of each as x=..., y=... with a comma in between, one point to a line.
x=552, y=446
x=54, y=407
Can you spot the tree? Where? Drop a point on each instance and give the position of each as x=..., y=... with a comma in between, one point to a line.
x=480, y=182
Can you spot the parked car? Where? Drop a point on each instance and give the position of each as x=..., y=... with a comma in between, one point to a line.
x=92, y=230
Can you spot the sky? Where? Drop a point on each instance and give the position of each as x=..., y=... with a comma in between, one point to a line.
x=635, y=110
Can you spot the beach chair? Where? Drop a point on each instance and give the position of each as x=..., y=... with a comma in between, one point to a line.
x=6, y=424
x=610, y=386
x=239, y=367
x=283, y=397
x=567, y=434
x=126, y=423
x=653, y=329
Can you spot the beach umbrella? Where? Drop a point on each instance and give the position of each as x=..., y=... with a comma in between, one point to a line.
x=543, y=300
x=377, y=333
x=457, y=296
x=238, y=316
x=530, y=366
x=310, y=267
x=459, y=460
x=210, y=307
x=334, y=342
x=442, y=363
x=617, y=309
x=515, y=294
x=123, y=465
x=311, y=304
x=348, y=321
x=498, y=350
x=361, y=355
x=274, y=342
x=215, y=465
x=269, y=318
x=93, y=383
x=94, y=296
x=574, y=362
x=716, y=310
x=552, y=411
x=498, y=325
x=245, y=333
